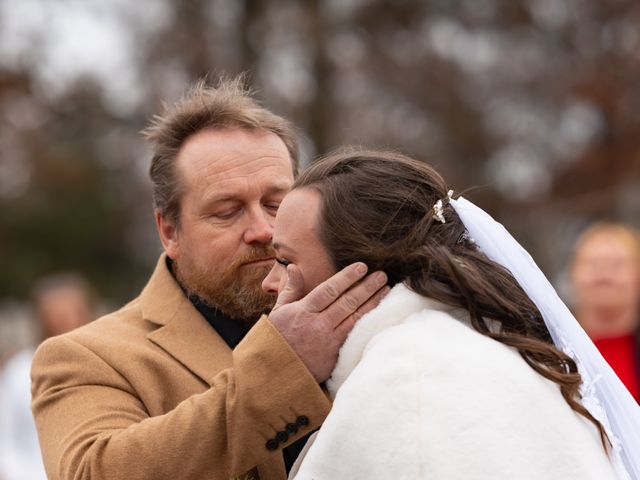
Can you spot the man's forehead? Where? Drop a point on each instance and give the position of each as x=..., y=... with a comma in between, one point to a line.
x=215, y=159
x=231, y=141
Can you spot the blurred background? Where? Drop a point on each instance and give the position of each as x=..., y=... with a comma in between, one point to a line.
x=532, y=106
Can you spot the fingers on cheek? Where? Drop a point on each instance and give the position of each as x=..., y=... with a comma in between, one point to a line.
x=330, y=291
x=357, y=315
x=347, y=305
x=344, y=328
x=282, y=282
x=374, y=301
x=377, y=280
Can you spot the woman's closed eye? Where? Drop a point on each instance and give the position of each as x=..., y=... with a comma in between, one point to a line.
x=282, y=262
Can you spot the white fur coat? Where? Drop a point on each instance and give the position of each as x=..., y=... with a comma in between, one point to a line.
x=419, y=394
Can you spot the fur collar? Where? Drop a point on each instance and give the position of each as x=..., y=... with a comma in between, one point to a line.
x=394, y=309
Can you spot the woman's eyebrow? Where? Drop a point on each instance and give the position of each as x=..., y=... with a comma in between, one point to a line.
x=280, y=246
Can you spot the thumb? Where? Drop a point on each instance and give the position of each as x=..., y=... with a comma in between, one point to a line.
x=293, y=289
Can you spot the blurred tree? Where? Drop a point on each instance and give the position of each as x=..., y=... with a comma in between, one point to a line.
x=71, y=214
x=531, y=102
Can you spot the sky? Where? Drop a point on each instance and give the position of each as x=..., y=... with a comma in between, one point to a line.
x=62, y=40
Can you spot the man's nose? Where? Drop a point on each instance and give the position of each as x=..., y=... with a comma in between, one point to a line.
x=271, y=283
x=260, y=228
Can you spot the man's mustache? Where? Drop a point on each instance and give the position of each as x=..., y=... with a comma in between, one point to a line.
x=256, y=253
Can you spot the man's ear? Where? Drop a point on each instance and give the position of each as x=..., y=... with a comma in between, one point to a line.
x=168, y=231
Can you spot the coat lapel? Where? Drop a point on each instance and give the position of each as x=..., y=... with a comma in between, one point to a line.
x=182, y=331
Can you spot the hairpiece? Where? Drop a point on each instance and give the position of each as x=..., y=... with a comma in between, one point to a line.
x=438, y=208
x=438, y=213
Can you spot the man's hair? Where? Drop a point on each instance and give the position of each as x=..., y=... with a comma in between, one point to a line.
x=228, y=105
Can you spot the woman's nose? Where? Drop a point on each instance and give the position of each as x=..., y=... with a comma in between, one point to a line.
x=271, y=283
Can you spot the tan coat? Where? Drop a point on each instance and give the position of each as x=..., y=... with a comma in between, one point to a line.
x=152, y=392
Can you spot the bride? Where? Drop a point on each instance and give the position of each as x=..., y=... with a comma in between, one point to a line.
x=463, y=371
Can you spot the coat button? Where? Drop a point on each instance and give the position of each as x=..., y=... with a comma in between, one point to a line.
x=272, y=444
x=291, y=428
x=282, y=437
x=302, y=421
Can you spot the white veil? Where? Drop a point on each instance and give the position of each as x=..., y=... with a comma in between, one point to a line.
x=604, y=395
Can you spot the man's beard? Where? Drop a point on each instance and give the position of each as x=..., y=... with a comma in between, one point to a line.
x=236, y=292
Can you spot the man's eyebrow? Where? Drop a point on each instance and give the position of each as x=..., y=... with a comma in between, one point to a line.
x=221, y=198
x=230, y=197
x=278, y=189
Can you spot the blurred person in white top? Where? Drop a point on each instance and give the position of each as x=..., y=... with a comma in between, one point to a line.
x=61, y=302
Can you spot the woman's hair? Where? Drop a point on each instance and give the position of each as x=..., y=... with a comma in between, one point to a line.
x=378, y=208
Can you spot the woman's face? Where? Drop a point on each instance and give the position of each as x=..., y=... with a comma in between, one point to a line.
x=296, y=240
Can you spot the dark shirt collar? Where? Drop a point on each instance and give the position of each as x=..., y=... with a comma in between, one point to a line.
x=231, y=330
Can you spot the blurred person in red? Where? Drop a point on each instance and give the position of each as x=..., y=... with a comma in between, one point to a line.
x=61, y=302
x=605, y=284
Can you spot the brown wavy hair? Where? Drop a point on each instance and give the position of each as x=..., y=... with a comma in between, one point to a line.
x=377, y=207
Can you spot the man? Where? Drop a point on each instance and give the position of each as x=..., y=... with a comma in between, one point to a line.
x=183, y=382
x=61, y=302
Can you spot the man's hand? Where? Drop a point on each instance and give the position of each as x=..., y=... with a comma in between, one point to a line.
x=317, y=325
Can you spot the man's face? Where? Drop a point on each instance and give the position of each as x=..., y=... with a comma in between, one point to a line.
x=234, y=181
